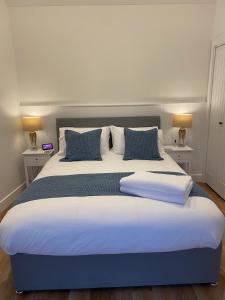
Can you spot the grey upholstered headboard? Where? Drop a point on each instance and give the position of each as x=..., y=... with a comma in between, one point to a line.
x=100, y=122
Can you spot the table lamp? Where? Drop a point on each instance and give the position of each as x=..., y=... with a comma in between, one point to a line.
x=182, y=121
x=32, y=124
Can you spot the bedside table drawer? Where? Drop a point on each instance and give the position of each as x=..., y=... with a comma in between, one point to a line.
x=34, y=161
x=180, y=156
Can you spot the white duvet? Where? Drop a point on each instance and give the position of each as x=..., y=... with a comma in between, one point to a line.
x=109, y=224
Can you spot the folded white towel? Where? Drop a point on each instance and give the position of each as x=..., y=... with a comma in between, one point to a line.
x=156, y=181
x=158, y=195
x=164, y=187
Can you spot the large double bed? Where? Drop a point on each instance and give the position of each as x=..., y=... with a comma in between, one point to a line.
x=72, y=229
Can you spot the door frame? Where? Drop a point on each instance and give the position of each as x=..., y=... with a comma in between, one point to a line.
x=218, y=41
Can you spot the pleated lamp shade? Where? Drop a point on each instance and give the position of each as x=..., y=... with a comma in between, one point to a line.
x=182, y=120
x=31, y=124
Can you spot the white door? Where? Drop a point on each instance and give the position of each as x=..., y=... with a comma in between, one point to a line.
x=215, y=171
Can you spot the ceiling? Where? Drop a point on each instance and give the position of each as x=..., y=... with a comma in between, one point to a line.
x=101, y=2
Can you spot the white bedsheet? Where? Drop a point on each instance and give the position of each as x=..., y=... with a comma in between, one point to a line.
x=111, y=163
x=109, y=224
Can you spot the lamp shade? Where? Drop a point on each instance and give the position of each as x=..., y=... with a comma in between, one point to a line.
x=182, y=120
x=31, y=123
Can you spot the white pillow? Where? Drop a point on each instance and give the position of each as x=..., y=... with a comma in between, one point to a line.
x=104, y=142
x=118, y=139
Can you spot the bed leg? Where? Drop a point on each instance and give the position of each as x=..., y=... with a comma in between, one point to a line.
x=19, y=292
x=214, y=283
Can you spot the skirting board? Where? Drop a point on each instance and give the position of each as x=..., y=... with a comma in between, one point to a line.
x=10, y=198
x=199, y=177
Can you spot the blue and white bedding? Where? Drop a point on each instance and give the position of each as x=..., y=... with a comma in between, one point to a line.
x=65, y=224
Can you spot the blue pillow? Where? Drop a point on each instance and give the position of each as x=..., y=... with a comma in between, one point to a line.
x=141, y=144
x=82, y=146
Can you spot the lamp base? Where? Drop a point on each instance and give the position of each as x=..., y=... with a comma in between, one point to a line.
x=33, y=140
x=182, y=135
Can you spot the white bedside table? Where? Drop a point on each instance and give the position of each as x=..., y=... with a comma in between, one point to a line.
x=182, y=155
x=35, y=158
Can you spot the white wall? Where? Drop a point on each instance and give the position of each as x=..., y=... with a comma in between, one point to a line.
x=112, y=54
x=11, y=171
x=219, y=26
x=115, y=54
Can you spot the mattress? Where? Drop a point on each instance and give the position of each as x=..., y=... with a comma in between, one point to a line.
x=109, y=224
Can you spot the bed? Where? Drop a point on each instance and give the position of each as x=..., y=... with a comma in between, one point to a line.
x=112, y=247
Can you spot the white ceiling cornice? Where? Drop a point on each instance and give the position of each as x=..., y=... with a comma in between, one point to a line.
x=102, y=2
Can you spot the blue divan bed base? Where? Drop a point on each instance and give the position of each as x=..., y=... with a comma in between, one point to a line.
x=40, y=272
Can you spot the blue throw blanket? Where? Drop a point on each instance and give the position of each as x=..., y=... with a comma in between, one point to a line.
x=84, y=185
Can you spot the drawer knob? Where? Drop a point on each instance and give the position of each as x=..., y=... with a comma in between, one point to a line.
x=36, y=159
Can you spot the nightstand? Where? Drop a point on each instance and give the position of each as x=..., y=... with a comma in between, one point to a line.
x=35, y=158
x=182, y=155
